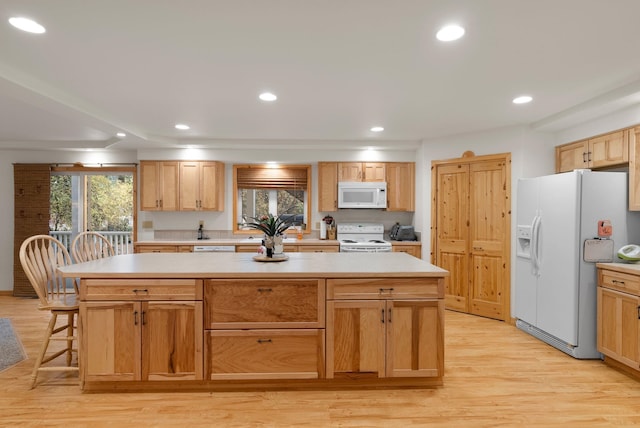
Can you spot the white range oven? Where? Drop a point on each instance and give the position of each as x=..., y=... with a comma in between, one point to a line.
x=362, y=238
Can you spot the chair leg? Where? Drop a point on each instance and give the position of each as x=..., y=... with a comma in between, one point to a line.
x=70, y=338
x=43, y=348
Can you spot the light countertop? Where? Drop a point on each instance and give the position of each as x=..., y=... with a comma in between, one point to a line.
x=630, y=268
x=242, y=265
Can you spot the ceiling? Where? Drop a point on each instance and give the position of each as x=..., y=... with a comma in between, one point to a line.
x=338, y=68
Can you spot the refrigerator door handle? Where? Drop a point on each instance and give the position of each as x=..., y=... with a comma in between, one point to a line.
x=535, y=246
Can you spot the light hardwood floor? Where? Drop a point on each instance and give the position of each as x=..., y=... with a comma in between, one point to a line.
x=495, y=375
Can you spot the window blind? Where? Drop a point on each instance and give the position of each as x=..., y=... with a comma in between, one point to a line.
x=260, y=177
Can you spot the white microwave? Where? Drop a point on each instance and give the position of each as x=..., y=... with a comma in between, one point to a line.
x=366, y=194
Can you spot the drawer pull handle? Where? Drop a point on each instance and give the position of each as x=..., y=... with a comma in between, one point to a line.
x=140, y=290
x=386, y=290
x=265, y=290
x=261, y=341
x=615, y=281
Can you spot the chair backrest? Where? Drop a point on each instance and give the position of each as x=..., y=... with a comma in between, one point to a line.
x=40, y=256
x=91, y=246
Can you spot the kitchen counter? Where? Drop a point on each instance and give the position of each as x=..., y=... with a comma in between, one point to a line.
x=223, y=321
x=234, y=241
x=630, y=268
x=242, y=265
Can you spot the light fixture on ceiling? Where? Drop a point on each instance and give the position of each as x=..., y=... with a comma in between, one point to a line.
x=377, y=129
x=449, y=33
x=182, y=126
x=121, y=134
x=26, y=24
x=267, y=96
x=523, y=99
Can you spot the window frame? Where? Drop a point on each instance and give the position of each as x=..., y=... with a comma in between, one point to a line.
x=237, y=201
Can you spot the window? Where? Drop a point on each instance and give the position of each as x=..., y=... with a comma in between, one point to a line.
x=93, y=199
x=280, y=190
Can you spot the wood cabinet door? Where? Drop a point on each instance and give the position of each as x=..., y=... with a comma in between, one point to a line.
x=327, y=186
x=401, y=179
x=634, y=169
x=618, y=330
x=572, y=156
x=610, y=149
x=355, y=339
x=414, y=330
x=350, y=171
x=172, y=335
x=111, y=341
x=169, y=185
x=489, y=238
x=374, y=171
x=150, y=183
x=211, y=186
x=451, y=184
x=189, y=186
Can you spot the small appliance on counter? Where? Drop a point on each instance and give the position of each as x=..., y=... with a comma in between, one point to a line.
x=326, y=223
x=630, y=253
x=402, y=233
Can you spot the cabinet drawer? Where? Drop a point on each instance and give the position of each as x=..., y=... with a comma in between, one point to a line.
x=156, y=248
x=385, y=288
x=264, y=354
x=284, y=303
x=141, y=289
x=319, y=248
x=619, y=281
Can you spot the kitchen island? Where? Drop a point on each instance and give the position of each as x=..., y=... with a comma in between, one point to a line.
x=222, y=321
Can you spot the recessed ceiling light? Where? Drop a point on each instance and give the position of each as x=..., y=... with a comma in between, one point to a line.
x=121, y=134
x=267, y=96
x=522, y=99
x=182, y=126
x=377, y=129
x=26, y=24
x=449, y=33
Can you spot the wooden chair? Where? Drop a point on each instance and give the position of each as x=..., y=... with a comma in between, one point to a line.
x=40, y=256
x=91, y=246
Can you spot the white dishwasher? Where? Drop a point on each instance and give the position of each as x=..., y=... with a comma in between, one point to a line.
x=214, y=248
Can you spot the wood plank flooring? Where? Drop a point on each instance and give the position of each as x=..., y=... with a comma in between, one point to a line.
x=496, y=376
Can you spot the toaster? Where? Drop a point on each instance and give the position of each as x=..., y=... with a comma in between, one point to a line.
x=402, y=233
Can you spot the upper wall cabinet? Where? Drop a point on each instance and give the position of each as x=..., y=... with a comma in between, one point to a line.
x=598, y=152
x=361, y=171
x=181, y=186
x=159, y=185
x=327, y=186
x=201, y=186
x=400, y=178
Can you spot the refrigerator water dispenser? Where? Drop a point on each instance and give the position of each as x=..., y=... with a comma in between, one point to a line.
x=523, y=239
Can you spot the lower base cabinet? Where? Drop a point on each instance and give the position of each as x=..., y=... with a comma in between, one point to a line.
x=265, y=354
x=279, y=332
x=395, y=329
x=140, y=341
x=618, y=317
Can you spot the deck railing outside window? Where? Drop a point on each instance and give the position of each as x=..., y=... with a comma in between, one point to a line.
x=121, y=241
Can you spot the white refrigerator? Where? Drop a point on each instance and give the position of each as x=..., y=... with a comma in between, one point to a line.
x=555, y=283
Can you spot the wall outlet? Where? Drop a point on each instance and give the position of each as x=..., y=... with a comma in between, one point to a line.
x=147, y=224
x=201, y=223
x=317, y=225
